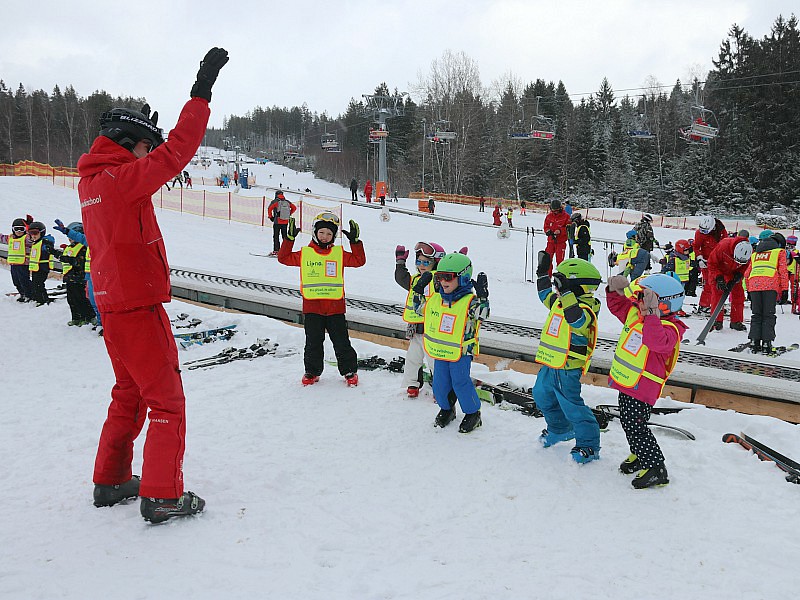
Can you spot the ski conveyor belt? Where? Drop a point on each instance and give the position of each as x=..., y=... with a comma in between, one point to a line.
x=698, y=367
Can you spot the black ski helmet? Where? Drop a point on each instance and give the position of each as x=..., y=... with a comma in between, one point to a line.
x=38, y=226
x=555, y=205
x=128, y=127
x=19, y=223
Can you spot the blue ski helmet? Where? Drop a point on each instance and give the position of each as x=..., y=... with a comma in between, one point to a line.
x=76, y=226
x=631, y=234
x=765, y=234
x=669, y=290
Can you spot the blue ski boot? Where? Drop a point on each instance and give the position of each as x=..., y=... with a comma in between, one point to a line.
x=549, y=439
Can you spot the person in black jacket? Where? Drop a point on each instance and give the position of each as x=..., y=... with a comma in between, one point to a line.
x=354, y=189
x=39, y=261
x=73, y=274
x=582, y=236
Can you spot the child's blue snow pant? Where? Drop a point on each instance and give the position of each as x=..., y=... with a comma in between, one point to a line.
x=455, y=376
x=557, y=393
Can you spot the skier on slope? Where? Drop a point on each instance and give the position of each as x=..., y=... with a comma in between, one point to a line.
x=726, y=267
x=280, y=209
x=710, y=232
x=127, y=163
x=555, y=227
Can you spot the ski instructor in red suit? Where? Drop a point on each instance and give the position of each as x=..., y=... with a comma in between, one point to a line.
x=555, y=227
x=127, y=163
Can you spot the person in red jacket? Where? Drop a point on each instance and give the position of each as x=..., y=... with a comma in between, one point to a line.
x=368, y=190
x=709, y=233
x=127, y=163
x=497, y=215
x=726, y=268
x=767, y=281
x=322, y=266
x=555, y=227
x=280, y=209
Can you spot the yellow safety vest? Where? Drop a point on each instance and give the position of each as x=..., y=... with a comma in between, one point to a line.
x=630, y=357
x=444, y=328
x=36, y=257
x=554, y=345
x=322, y=275
x=682, y=269
x=627, y=251
x=16, y=250
x=88, y=262
x=765, y=264
x=71, y=250
x=409, y=314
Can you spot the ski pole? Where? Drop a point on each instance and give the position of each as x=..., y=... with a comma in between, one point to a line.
x=701, y=339
x=527, y=235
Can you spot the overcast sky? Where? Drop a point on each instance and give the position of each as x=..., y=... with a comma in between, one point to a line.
x=324, y=52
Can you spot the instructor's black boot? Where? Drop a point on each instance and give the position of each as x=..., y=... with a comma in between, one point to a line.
x=755, y=348
x=109, y=495
x=739, y=326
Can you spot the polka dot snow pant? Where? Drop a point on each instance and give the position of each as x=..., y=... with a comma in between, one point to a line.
x=634, y=415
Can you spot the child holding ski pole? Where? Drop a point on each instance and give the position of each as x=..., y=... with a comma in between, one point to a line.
x=565, y=350
x=453, y=314
x=646, y=353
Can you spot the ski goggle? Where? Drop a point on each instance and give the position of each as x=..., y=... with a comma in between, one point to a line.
x=18, y=229
x=440, y=276
x=424, y=263
x=425, y=249
x=704, y=230
x=329, y=217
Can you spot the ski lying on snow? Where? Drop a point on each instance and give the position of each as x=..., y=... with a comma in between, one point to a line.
x=613, y=411
x=776, y=350
x=765, y=453
x=262, y=347
x=496, y=393
x=207, y=336
x=188, y=324
x=270, y=255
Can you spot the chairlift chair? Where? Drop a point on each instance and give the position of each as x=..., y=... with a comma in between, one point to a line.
x=329, y=141
x=703, y=128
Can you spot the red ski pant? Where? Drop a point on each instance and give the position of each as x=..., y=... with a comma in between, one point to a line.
x=708, y=287
x=736, y=299
x=145, y=361
x=556, y=251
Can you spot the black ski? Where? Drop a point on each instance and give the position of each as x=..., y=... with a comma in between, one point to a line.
x=612, y=411
x=765, y=453
x=778, y=350
x=375, y=362
x=189, y=324
x=523, y=399
x=260, y=348
x=205, y=337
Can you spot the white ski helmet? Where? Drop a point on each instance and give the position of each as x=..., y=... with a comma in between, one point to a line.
x=706, y=224
x=742, y=252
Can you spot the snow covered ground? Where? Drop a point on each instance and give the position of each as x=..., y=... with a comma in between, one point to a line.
x=332, y=492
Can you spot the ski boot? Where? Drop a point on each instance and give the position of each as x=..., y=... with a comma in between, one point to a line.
x=412, y=391
x=309, y=379
x=739, y=326
x=717, y=326
x=444, y=418
x=470, y=422
x=652, y=477
x=158, y=510
x=549, y=439
x=74, y=323
x=630, y=465
x=351, y=379
x=755, y=348
x=766, y=348
x=584, y=455
x=109, y=495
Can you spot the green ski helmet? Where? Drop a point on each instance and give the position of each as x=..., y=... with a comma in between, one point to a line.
x=457, y=263
x=580, y=272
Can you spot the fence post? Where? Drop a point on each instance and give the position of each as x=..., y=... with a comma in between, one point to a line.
x=263, y=208
x=181, y=199
x=229, y=207
x=204, y=204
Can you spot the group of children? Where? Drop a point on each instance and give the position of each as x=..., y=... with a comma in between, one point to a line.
x=31, y=256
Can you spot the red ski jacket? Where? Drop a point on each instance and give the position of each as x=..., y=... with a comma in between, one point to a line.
x=721, y=261
x=129, y=261
x=704, y=243
x=557, y=221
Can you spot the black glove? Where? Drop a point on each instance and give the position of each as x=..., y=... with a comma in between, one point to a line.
x=213, y=61
x=352, y=235
x=721, y=283
x=70, y=260
x=737, y=277
x=543, y=266
x=422, y=283
x=291, y=230
x=562, y=283
x=481, y=286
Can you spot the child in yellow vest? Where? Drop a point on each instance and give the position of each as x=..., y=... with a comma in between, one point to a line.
x=565, y=350
x=427, y=257
x=322, y=266
x=19, y=249
x=646, y=353
x=453, y=315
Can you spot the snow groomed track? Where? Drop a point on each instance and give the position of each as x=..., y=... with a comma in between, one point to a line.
x=698, y=369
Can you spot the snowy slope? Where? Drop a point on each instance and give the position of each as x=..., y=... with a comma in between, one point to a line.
x=330, y=492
